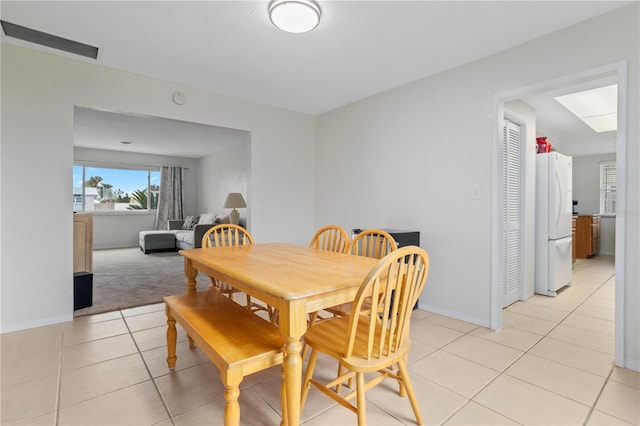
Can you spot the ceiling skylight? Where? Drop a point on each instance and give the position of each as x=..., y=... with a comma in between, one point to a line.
x=598, y=108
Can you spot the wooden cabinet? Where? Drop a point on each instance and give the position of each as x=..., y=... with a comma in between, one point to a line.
x=574, y=243
x=587, y=235
x=82, y=243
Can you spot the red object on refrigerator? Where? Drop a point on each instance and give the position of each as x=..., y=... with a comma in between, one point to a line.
x=543, y=145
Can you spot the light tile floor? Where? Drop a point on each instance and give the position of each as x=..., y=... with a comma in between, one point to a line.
x=551, y=364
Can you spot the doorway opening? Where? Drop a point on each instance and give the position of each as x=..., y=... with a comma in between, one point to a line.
x=617, y=72
x=215, y=161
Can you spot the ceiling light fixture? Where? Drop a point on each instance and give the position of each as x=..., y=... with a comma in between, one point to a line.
x=294, y=16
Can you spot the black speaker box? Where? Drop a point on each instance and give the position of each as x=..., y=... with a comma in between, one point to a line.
x=82, y=290
x=405, y=238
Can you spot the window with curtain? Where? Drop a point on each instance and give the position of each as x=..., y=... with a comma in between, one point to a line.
x=608, y=188
x=115, y=188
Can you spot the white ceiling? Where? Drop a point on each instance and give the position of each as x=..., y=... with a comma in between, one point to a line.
x=566, y=132
x=151, y=135
x=359, y=49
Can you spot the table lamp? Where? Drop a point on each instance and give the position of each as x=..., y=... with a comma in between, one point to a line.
x=234, y=200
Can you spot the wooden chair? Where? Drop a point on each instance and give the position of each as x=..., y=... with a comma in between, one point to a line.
x=374, y=243
x=377, y=337
x=225, y=235
x=331, y=238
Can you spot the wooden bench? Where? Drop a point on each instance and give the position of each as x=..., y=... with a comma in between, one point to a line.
x=236, y=340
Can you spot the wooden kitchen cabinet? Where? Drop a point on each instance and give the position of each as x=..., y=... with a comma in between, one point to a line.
x=587, y=235
x=82, y=243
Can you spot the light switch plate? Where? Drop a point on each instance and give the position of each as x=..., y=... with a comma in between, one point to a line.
x=474, y=191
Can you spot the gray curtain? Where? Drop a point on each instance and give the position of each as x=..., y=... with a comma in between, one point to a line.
x=170, y=199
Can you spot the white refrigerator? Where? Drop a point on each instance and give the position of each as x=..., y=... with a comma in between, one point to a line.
x=553, y=223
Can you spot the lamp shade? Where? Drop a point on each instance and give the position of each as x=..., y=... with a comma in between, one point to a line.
x=234, y=201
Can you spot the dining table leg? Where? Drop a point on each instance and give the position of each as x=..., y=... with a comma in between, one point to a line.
x=191, y=273
x=172, y=336
x=293, y=325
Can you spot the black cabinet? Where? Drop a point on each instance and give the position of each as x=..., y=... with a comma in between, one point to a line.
x=404, y=238
x=82, y=290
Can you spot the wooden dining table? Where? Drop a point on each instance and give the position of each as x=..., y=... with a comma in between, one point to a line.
x=294, y=279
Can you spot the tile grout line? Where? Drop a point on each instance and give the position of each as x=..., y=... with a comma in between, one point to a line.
x=500, y=373
x=56, y=417
x=568, y=313
x=469, y=399
x=503, y=372
x=155, y=385
x=567, y=316
x=61, y=370
x=604, y=384
x=592, y=406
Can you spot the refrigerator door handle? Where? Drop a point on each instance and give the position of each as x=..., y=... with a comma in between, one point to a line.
x=558, y=197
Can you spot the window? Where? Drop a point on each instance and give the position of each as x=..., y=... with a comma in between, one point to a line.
x=607, y=187
x=105, y=189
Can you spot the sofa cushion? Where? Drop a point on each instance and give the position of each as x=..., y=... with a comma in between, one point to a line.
x=185, y=237
x=189, y=222
x=207, y=219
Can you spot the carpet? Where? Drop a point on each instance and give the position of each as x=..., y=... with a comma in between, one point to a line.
x=126, y=278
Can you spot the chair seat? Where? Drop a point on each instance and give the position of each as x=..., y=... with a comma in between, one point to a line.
x=340, y=310
x=345, y=308
x=329, y=337
x=374, y=243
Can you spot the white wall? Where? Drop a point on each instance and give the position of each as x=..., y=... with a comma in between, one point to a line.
x=117, y=230
x=608, y=235
x=586, y=189
x=39, y=93
x=222, y=172
x=406, y=158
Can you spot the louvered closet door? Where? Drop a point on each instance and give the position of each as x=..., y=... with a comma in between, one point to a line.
x=511, y=213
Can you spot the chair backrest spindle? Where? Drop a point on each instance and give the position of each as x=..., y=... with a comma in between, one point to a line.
x=395, y=284
x=374, y=243
x=331, y=238
x=226, y=234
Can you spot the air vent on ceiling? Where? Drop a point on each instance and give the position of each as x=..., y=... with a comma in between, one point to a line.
x=49, y=40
